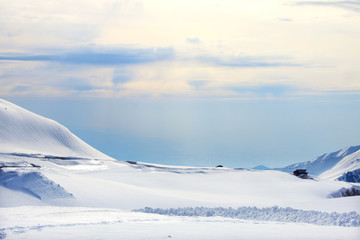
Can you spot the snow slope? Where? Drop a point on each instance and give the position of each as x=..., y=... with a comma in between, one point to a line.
x=330, y=165
x=115, y=184
x=22, y=131
x=348, y=163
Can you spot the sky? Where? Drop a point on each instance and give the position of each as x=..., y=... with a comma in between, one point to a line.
x=199, y=83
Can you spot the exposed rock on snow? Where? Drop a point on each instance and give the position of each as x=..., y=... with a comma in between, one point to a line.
x=352, y=176
x=347, y=192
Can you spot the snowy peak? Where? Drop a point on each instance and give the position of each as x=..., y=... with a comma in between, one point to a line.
x=348, y=163
x=22, y=131
x=335, y=155
x=330, y=165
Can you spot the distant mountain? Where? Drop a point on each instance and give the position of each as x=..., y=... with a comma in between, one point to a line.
x=261, y=167
x=22, y=131
x=330, y=165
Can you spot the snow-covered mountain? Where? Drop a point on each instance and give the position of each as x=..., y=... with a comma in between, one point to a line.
x=330, y=165
x=22, y=131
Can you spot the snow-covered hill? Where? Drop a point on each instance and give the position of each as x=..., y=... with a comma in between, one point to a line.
x=330, y=165
x=22, y=131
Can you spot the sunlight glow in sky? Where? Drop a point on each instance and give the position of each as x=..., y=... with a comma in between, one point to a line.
x=256, y=53
x=203, y=48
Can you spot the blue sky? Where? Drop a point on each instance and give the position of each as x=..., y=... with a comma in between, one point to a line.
x=208, y=132
x=189, y=82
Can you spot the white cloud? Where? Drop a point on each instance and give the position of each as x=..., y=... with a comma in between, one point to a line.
x=316, y=51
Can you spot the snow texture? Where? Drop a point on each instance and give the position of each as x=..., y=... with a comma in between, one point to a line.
x=274, y=214
x=22, y=131
x=32, y=183
x=352, y=176
x=346, y=192
x=49, y=222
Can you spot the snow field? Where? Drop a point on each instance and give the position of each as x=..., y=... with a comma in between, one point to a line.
x=99, y=223
x=274, y=214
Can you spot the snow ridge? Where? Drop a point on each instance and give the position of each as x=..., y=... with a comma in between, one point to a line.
x=32, y=183
x=273, y=214
x=329, y=165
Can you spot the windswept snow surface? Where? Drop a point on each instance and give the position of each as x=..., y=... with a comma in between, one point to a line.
x=22, y=131
x=32, y=183
x=98, y=223
x=115, y=184
x=273, y=214
x=330, y=165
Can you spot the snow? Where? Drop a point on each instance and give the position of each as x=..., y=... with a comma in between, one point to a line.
x=25, y=132
x=351, y=176
x=348, y=163
x=330, y=165
x=274, y=214
x=115, y=184
x=98, y=223
x=32, y=183
x=50, y=181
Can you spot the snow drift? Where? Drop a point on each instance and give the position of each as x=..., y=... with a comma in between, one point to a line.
x=274, y=214
x=32, y=183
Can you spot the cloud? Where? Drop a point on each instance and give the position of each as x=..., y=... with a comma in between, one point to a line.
x=197, y=84
x=122, y=76
x=193, y=40
x=133, y=56
x=123, y=56
x=245, y=62
x=349, y=5
x=265, y=90
x=20, y=89
x=285, y=19
x=77, y=84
